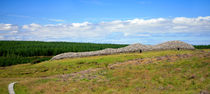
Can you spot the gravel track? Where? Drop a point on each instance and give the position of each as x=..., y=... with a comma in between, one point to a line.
x=11, y=88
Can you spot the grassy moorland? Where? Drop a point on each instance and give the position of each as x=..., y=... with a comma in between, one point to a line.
x=186, y=75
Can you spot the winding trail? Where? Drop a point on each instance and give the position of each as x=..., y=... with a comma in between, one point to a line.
x=11, y=88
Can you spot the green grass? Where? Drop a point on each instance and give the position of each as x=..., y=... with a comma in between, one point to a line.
x=155, y=78
x=20, y=89
x=76, y=64
x=160, y=77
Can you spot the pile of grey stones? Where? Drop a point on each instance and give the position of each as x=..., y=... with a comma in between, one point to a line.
x=170, y=45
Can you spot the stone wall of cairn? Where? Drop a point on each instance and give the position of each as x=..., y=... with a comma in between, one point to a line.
x=176, y=45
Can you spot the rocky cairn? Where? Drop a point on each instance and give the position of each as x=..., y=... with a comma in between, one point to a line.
x=170, y=45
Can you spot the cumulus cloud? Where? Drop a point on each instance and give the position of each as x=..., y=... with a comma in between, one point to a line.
x=126, y=29
x=31, y=27
x=192, y=21
x=8, y=27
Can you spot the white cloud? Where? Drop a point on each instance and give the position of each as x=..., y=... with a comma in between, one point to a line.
x=80, y=24
x=146, y=22
x=31, y=27
x=138, y=35
x=192, y=21
x=8, y=27
x=180, y=27
x=128, y=28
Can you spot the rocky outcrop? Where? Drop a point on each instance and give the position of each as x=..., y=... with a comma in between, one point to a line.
x=170, y=45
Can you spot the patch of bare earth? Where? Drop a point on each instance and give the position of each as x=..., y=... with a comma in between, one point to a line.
x=80, y=75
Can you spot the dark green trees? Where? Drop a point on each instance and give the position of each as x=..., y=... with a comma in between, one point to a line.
x=18, y=52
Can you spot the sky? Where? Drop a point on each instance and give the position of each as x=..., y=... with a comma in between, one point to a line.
x=106, y=21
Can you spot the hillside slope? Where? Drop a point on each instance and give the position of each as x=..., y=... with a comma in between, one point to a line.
x=150, y=72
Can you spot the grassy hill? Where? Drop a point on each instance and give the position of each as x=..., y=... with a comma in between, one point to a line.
x=185, y=71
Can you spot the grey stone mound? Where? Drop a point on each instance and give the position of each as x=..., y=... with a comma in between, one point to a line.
x=173, y=45
x=170, y=45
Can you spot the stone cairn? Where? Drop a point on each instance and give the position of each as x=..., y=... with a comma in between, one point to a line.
x=170, y=45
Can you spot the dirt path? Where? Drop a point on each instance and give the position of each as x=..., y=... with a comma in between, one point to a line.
x=11, y=88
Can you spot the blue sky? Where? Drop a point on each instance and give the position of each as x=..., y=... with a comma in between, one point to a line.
x=106, y=21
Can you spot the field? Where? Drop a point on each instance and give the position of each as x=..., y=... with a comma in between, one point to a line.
x=176, y=72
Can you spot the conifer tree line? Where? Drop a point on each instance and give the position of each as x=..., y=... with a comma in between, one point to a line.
x=18, y=52
x=202, y=46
